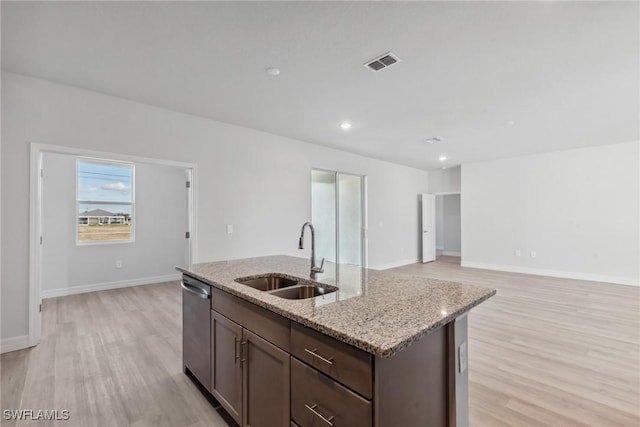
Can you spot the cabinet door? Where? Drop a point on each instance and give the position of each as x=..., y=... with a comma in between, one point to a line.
x=266, y=384
x=226, y=376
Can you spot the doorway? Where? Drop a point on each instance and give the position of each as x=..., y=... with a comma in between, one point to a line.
x=338, y=213
x=448, y=226
x=74, y=244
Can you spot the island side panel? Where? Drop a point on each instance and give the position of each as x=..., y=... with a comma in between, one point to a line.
x=458, y=372
x=412, y=387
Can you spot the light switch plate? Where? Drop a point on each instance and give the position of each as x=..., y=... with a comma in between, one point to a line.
x=229, y=228
x=462, y=357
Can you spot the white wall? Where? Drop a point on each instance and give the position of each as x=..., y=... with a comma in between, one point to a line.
x=578, y=210
x=160, y=223
x=256, y=181
x=445, y=180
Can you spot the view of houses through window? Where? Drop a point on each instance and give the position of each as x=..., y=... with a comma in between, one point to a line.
x=105, y=201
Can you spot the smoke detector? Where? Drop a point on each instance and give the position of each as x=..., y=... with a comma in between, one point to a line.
x=382, y=62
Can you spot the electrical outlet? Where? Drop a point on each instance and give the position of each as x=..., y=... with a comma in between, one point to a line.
x=119, y=263
x=533, y=254
x=517, y=252
x=229, y=228
x=462, y=357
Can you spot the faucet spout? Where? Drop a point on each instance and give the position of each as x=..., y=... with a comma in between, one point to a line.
x=314, y=269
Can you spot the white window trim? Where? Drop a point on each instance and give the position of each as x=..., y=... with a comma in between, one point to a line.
x=132, y=239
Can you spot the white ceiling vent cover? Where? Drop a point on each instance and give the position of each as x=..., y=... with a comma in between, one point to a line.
x=382, y=62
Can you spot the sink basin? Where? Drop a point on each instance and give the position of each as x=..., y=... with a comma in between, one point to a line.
x=268, y=282
x=302, y=292
x=284, y=287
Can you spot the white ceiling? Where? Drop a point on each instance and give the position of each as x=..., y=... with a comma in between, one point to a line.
x=567, y=73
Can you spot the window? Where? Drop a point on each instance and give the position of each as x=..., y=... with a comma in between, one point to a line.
x=104, y=201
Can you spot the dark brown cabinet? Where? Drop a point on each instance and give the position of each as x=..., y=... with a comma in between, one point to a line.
x=268, y=371
x=250, y=376
x=319, y=401
x=266, y=383
x=226, y=363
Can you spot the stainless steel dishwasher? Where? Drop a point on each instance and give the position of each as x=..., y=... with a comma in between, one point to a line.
x=196, y=332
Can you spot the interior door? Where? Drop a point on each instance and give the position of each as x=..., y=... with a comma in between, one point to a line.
x=428, y=228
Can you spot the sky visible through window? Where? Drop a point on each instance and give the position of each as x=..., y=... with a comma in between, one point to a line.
x=105, y=202
x=100, y=182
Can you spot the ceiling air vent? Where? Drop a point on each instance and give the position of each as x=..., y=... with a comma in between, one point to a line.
x=382, y=62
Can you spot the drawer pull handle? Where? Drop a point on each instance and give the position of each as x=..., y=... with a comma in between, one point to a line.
x=313, y=409
x=314, y=352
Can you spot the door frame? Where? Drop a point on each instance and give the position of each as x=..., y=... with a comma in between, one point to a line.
x=35, y=217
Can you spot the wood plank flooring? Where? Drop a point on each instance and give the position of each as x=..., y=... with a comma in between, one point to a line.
x=549, y=352
x=542, y=352
x=112, y=358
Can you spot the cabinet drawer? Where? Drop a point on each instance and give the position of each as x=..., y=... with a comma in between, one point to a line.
x=348, y=365
x=318, y=401
x=262, y=322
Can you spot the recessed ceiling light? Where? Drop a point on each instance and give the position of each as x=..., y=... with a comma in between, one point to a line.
x=273, y=71
x=511, y=123
x=345, y=125
x=433, y=140
x=442, y=158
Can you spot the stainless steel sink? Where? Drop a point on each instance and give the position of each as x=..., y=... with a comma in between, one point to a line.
x=302, y=292
x=268, y=282
x=283, y=287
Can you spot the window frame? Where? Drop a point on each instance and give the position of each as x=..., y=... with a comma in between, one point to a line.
x=132, y=204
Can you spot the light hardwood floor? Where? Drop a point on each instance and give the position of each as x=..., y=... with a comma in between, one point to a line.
x=549, y=352
x=542, y=352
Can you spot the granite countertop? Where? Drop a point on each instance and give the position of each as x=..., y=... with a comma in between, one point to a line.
x=379, y=312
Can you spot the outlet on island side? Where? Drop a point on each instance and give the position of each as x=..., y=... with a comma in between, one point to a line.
x=462, y=357
x=118, y=263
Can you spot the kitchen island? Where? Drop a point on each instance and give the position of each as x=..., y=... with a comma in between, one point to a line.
x=384, y=349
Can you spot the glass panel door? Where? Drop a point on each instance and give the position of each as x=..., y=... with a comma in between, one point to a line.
x=349, y=219
x=323, y=213
x=337, y=216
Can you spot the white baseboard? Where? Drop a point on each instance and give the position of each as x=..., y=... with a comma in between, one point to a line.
x=81, y=289
x=394, y=264
x=14, y=343
x=553, y=273
x=450, y=253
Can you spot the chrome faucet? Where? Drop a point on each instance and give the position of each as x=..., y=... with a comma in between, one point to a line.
x=314, y=269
